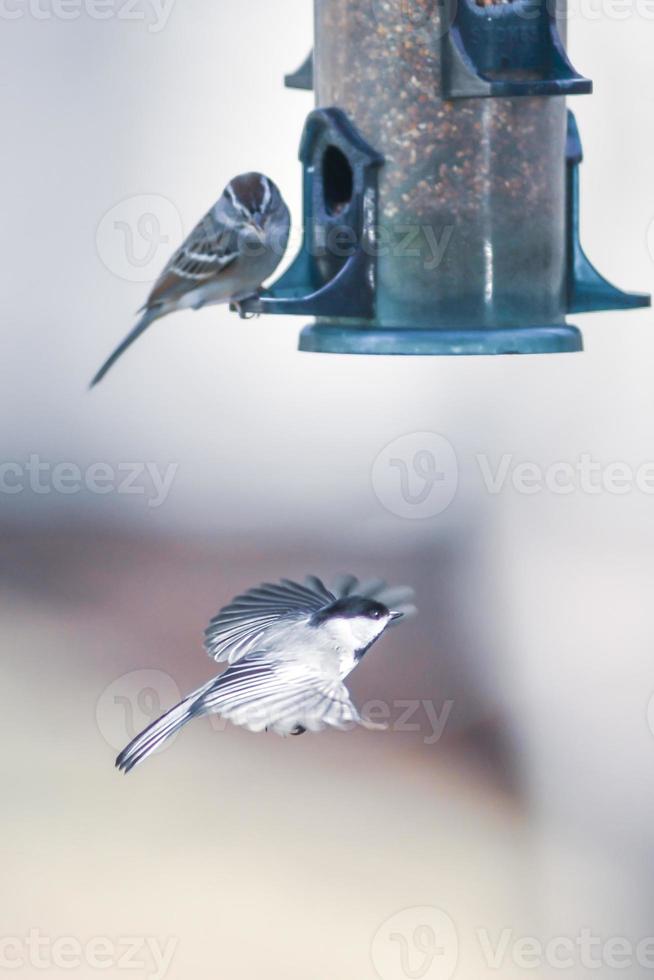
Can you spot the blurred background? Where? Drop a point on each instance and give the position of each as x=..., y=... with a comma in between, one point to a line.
x=502, y=825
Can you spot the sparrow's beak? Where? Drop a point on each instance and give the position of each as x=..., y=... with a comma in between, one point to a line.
x=396, y=615
x=259, y=231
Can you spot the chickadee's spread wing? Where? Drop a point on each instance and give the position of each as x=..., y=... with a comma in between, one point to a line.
x=242, y=625
x=205, y=254
x=260, y=692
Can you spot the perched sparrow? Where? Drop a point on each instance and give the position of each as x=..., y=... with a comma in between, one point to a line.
x=226, y=258
x=289, y=647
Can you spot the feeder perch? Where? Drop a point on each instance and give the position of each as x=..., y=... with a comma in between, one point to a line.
x=505, y=49
x=334, y=273
x=303, y=77
x=588, y=291
x=441, y=184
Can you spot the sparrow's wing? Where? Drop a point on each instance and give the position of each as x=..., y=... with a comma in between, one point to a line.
x=398, y=598
x=207, y=252
x=242, y=625
x=260, y=692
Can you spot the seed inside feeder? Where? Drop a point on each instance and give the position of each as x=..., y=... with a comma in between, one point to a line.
x=472, y=190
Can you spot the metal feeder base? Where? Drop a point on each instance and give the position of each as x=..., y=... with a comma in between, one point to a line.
x=324, y=338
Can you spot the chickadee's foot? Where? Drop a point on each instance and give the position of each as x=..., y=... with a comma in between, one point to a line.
x=298, y=730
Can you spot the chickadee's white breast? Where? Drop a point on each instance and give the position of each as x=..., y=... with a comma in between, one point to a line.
x=314, y=646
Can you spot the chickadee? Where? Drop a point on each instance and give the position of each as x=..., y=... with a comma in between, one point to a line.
x=236, y=246
x=289, y=647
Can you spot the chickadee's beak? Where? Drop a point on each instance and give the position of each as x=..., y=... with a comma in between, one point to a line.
x=396, y=615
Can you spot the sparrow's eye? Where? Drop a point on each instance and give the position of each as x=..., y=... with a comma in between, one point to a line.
x=376, y=614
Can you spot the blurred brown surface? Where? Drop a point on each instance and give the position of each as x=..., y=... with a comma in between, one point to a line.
x=260, y=855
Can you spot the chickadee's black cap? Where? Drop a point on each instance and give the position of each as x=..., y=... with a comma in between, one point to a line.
x=349, y=608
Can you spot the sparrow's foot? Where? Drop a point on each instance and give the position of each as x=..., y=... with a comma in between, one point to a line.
x=237, y=306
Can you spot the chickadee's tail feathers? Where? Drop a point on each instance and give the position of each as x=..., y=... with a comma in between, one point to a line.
x=150, y=314
x=160, y=730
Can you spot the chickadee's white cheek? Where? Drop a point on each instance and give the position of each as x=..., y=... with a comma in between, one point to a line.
x=365, y=631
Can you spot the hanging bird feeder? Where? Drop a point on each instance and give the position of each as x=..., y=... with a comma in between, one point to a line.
x=441, y=189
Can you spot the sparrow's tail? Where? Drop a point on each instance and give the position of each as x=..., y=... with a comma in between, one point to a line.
x=142, y=325
x=157, y=733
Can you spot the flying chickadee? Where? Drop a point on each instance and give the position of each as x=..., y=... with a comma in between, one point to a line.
x=289, y=647
x=236, y=246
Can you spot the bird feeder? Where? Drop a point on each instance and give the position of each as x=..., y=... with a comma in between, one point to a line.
x=441, y=189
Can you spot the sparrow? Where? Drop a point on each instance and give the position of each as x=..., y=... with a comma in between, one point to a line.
x=236, y=246
x=289, y=647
